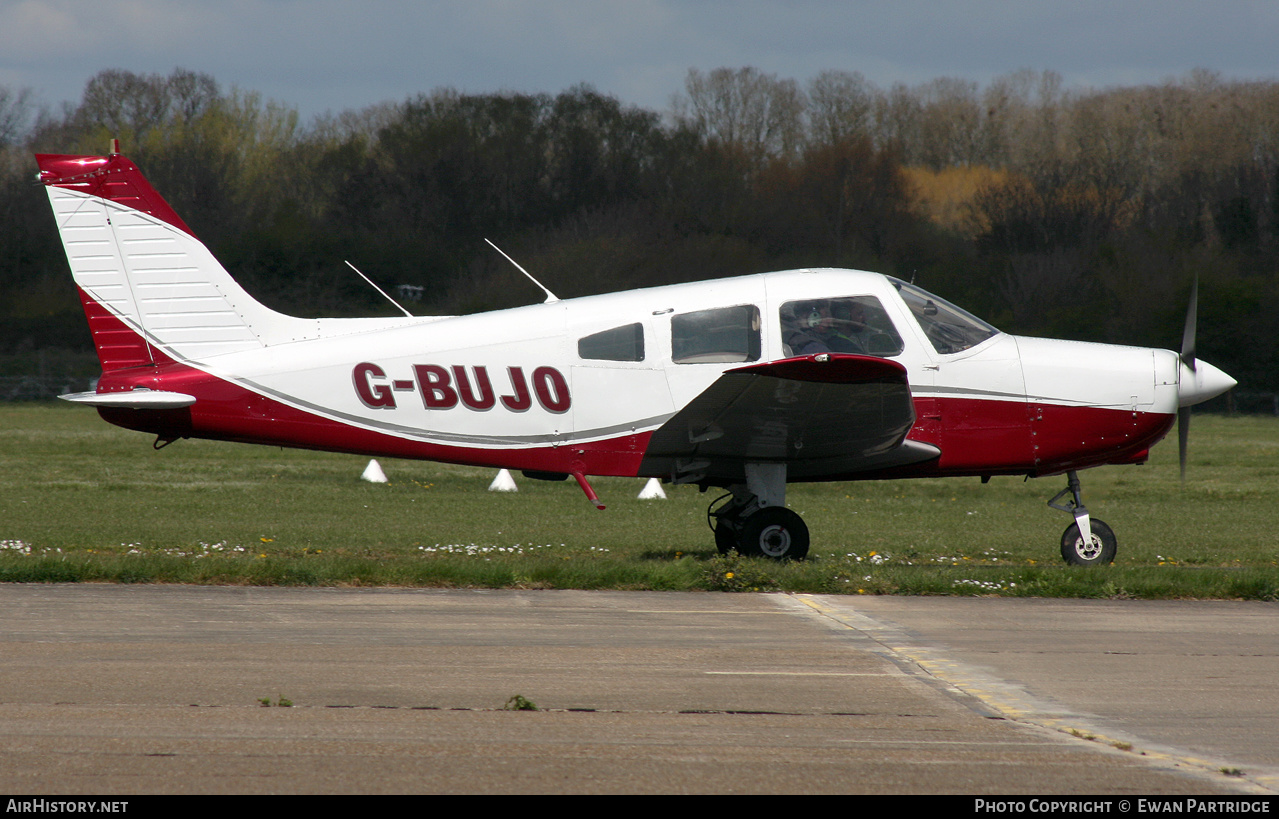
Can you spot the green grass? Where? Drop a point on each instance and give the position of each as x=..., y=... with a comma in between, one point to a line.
x=84, y=501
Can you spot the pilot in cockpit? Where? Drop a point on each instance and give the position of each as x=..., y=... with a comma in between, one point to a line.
x=824, y=326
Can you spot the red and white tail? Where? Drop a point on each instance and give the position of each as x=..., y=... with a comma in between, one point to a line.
x=151, y=290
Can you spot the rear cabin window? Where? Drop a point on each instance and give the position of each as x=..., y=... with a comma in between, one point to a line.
x=720, y=336
x=625, y=343
x=853, y=324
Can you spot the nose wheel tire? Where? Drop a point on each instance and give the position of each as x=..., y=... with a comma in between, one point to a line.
x=1099, y=551
x=775, y=532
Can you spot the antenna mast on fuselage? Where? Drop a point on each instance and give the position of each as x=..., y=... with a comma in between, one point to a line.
x=550, y=297
x=380, y=290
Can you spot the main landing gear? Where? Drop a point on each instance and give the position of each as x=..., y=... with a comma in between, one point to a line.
x=1088, y=541
x=754, y=520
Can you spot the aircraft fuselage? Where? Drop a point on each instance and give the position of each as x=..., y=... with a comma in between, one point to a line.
x=510, y=388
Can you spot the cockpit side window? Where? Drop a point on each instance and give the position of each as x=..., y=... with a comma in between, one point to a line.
x=625, y=343
x=949, y=328
x=722, y=335
x=852, y=324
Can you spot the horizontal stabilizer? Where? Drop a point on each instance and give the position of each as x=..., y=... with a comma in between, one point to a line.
x=133, y=399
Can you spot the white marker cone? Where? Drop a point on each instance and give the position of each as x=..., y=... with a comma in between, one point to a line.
x=503, y=482
x=652, y=490
x=373, y=473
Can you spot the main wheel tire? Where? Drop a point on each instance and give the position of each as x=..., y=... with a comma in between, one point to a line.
x=725, y=536
x=775, y=532
x=1099, y=552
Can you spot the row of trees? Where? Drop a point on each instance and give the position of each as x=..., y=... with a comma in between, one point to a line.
x=1077, y=213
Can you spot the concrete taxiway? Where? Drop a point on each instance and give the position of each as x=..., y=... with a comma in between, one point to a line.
x=160, y=689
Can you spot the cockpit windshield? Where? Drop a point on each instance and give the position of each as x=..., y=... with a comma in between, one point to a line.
x=949, y=328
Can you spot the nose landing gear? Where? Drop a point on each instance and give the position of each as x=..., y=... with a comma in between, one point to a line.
x=1088, y=541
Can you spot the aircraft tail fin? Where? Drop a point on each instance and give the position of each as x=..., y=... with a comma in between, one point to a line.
x=151, y=290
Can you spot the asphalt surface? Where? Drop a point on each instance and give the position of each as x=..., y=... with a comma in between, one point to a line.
x=159, y=689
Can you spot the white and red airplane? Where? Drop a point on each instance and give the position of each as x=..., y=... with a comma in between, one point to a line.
x=745, y=383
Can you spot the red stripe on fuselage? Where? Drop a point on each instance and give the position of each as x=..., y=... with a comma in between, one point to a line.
x=977, y=437
x=988, y=437
x=1069, y=438
x=229, y=412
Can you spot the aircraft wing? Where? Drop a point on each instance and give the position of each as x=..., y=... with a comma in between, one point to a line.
x=822, y=415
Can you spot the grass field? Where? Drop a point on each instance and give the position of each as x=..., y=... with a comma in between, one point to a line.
x=84, y=501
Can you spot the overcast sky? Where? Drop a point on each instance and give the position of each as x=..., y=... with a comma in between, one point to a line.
x=320, y=55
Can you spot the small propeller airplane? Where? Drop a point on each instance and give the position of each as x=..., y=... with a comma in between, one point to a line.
x=745, y=384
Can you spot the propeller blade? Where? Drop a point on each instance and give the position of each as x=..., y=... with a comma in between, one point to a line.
x=1183, y=438
x=1196, y=382
x=1187, y=358
x=1188, y=334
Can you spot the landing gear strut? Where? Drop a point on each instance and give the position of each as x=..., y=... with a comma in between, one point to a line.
x=754, y=520
x=1088, y=541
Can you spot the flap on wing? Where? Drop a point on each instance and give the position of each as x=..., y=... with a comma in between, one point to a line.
x=822, y=415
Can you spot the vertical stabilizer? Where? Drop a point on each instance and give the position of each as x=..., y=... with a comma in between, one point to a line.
x=151, y=290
